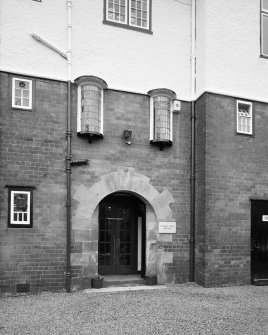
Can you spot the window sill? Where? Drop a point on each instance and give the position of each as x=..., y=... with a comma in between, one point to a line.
x=244, y=134
x=263, y=56
x=125, y=26
x=22, y=109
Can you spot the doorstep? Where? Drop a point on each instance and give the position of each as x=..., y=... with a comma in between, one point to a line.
x=123, y=280
x=112, y=289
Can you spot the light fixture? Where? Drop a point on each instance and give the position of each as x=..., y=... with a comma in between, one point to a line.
x=127, y=136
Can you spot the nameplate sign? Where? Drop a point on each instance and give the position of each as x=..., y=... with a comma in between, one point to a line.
x=167, y=227
x=265, y=218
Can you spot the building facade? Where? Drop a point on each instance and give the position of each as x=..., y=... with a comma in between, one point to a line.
x=133, y=141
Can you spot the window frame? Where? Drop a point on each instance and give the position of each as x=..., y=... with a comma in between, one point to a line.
x=152, y=118
x=100, y=84
x=13, y=105
x=263, y=13
x=12, y=190
x=79, y=107
x=171, y=95
x=128, y=25
x=250, y=104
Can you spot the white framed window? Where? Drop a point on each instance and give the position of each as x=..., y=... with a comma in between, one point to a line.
x=129, y=13
x=20, y=207
x=90, y=105
x=22, y=93
x=161, y=115
x=244, y=117
x=264, y=28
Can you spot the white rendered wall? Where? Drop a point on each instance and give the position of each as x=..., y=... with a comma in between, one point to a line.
x=19, y=52
x=125, y=59
x=228, y=49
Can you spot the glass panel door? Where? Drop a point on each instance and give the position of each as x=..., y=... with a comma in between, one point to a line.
x=118, y=236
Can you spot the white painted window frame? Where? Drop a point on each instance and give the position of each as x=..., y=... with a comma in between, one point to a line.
x=126, y=13
x=152, y=119
x=147, y=18
x=24, y=222
x=264, y=13
x=127, y=21
x=249, y=104
x=14, y=79
x=79, y=109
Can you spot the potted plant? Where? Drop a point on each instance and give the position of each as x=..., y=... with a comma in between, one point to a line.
x=150, y=279
x=97, y=281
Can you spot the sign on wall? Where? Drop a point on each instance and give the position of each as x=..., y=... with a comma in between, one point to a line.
x=167, y=227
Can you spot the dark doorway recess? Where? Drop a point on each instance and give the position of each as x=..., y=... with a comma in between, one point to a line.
x=259, y=242
x=121, y=235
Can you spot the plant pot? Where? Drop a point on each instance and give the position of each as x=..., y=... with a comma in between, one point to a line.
x=97, y=282
x=151, y=280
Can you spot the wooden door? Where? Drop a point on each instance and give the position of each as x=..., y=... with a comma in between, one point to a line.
x=118, y=236
x=259, y=242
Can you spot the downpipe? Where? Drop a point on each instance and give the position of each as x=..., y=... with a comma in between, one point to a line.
x=69, y=151
x=193, y=135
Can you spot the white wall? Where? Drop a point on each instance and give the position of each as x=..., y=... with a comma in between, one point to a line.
x=19, y=52
x=125, y=59
x=228, y=49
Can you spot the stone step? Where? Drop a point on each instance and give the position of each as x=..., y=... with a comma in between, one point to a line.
x=124, y=280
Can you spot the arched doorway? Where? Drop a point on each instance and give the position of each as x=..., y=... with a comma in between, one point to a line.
x=122, y=229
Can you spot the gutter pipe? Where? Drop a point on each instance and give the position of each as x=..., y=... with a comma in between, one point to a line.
x=193, y=119
x=69, y=149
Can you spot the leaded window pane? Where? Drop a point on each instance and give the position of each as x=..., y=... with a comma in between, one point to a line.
x=162, y=118
x=90, y=109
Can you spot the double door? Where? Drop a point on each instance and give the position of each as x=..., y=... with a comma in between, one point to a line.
x=118, y=236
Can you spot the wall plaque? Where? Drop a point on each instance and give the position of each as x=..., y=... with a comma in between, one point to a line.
x=265, y=218
x=167, y=227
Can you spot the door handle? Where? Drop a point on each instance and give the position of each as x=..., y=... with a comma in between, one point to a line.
x=118, y=242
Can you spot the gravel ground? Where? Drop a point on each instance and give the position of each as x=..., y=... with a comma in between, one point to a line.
x=179, y=309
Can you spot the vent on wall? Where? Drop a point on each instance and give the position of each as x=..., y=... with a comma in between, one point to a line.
x=23, y=288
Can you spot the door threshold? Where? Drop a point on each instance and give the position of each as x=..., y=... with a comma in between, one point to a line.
x=125, y=289
x=260, y=282
x=123, y=280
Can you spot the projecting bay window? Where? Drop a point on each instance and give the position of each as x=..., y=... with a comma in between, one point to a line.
x=161, y=116
x=244, y=117
x=264, y=28
x=20, y=207
x=90, y=106
x=133, y=14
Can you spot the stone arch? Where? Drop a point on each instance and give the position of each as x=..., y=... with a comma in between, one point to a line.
x=85, y=218
x=124, y=179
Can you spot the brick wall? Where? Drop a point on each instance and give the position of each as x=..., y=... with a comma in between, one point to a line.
x=166, y=169
x=32, y=149
x=235, y=171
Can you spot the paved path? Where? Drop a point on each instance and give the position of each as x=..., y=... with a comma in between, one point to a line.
x=177, y=309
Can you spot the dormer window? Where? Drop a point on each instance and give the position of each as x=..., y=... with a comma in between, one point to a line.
x=90, y=106
x=161, y=116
